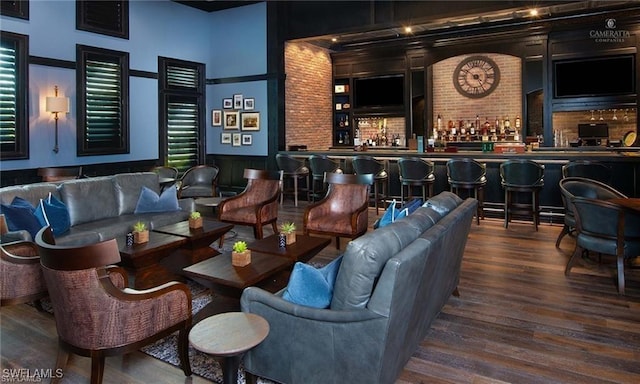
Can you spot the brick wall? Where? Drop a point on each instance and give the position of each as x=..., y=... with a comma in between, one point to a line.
x=566, y=123
x=505, y=100
x=308, y=86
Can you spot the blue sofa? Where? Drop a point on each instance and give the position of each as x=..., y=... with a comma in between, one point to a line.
x=100, y=208
x=391, y=284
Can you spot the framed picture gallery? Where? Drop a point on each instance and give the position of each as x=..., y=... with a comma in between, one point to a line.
x=251, y=121
x=231, y=120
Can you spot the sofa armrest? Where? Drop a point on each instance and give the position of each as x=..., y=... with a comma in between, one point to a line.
x=187, y=204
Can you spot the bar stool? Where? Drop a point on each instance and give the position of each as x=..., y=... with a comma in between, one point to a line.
x=519, y=176
x=468, y=174
x=363, y=164
x=319, y=164
x=293, y=169
x=416, y=172
x=588, y=169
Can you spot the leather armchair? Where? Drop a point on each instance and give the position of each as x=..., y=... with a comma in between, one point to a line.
x=571, y=187
x=606, y=228
x=97, y=315
x=20, y=274
x=199, y=181
x=344, y=210
x=54, y=174
x=257, y=205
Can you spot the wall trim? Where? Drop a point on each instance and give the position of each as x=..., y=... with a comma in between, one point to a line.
x=242, y=79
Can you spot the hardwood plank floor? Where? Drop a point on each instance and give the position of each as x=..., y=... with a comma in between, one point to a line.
x=518, y=319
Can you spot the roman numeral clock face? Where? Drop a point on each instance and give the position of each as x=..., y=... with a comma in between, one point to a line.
x=476, y=76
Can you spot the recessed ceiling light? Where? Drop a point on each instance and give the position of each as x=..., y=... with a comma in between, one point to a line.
x=407, y=29
x=533, y=12
x=334, y=39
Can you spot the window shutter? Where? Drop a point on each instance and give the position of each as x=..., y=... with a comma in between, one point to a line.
x=182, y=77
x=182, y=134
x=13, y=131
x=104, y=17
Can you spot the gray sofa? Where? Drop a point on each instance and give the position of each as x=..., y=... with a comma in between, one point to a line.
x=390, y=286
x=100, y=208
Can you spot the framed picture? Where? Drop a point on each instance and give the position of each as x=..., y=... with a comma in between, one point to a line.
x=251, y=121
x=227, y=103
x=225, y=138
x=216, y=118
x=237, y=101
x=236, y=139
x=249, y=103
x=231, y=120
x=246, y=139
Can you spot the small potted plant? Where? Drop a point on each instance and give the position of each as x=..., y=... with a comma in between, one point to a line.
x=195, y=220
x=241, y=255
x=140, y=233
x=289, y=230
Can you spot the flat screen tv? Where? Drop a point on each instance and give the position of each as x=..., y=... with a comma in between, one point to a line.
x=382, y=91
x=595, y=76
x=593, y=131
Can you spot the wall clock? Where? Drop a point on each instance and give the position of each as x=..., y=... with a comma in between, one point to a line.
x=476, y=76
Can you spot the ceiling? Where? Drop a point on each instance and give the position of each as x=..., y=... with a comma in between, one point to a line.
x=215, y=5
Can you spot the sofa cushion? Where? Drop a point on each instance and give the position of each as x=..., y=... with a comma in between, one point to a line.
x=19, y=215
x=89, y=199
x=150, y=201
x=443, y=203
x=310, y=286
x=54, y=213
x=128, y=187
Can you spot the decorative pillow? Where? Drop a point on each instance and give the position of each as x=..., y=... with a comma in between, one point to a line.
x=149, y=201
x=19, y=215
x=389, y=215
x=310, y=286
x=403, y=213
x=413, y=205
x=54, y=213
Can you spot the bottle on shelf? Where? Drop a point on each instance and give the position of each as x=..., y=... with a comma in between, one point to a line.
x=518, y=122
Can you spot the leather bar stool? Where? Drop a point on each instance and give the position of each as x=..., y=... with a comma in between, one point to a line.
x=522, y=176
x=469, y=175
x=416, y=172
x=588, y=169
x=293, y=169
x=319, y=164
x=362, y=165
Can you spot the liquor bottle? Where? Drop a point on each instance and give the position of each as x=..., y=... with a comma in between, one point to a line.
x=341, y=121
x=507, y=124
x=439, y=123
x=340, y=138
x=346, y=138
x=518, y=122
x=497, y=123
x=478, y=121
x=346, y=121
x=472, y=129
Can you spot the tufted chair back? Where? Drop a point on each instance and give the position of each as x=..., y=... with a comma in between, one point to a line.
x=97, y=315
x=257, y=205
x=344, y=210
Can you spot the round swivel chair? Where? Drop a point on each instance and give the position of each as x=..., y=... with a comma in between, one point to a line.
x=469, y=175
x=362, y=165
x=293, y=169
x=416, y=172
x=588, y=169
x=319, y=164
x=522, y=176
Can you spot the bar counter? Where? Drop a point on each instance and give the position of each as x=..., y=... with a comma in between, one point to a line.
x=624, y=163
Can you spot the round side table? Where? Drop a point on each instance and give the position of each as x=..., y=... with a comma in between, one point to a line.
x=229, y=335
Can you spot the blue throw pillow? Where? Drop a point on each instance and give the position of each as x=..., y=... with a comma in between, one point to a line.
x=149, y=201
x=389, y=215
x=54, y=213
x=403, y=213
x=310, y=286
x=413, y=205
x=19, y=215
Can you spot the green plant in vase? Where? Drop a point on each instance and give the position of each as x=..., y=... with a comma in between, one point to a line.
x=140, y=233
x=241, y=255
x=289, y=230
x=195, y=220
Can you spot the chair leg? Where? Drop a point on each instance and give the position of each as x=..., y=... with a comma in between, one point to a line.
x=534, y=207
x=563, y=233
x=506, y=208
x=183, y=351
x=61, y=364
x=620, y=274
x=257, y=231
x=577, y=253
x=97, y=368
x=295, y=191
x=274, y=226
x=337, y=242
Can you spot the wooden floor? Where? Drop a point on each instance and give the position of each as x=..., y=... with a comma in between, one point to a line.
x=518, y=320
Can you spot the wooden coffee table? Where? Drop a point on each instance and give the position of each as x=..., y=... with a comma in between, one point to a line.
x=144, y=260
x=197, y=246
x=229, y=335
x=302, y=250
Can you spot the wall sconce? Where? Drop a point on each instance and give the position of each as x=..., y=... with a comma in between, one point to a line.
x=57, y=105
